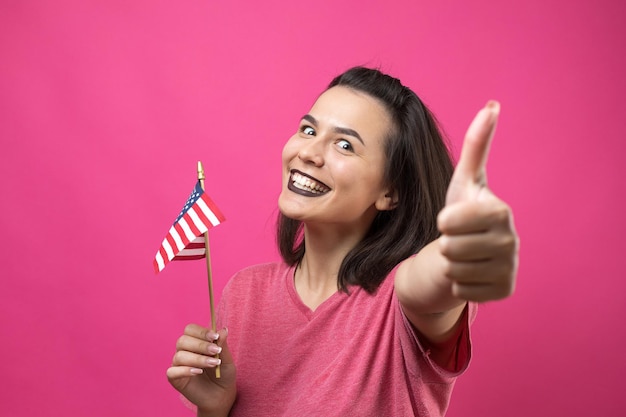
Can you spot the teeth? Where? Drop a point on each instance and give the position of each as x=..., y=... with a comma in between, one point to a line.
x=306, y=184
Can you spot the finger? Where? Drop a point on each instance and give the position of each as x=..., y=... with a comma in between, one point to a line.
x=479, y=273
x=475, y=151
x=192, y=344
x=193, y=360
x=482, y=292
x=222, y=341
x=475, y=216
x=200, y=332
x=179, y=372
x=476, y=247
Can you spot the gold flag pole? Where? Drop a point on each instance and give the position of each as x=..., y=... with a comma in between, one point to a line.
x=208, y=268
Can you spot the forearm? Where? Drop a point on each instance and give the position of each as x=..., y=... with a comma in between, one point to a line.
x=425, y=294
x=421, y=284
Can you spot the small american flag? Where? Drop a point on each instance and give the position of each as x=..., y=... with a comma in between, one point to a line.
x=185, y=239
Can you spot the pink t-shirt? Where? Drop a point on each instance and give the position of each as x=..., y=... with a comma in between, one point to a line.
x=355, y=355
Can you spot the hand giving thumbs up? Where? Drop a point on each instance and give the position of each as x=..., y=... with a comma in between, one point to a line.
x=478, y=241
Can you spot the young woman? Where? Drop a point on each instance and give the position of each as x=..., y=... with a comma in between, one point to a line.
x=386, y=250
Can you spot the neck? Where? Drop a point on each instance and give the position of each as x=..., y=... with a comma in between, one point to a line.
x=314, y=287
x=317, y=275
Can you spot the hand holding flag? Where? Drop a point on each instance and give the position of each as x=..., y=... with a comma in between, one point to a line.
x=188, y=239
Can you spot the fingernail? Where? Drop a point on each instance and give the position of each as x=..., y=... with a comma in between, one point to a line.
x=493, y=106
x=213, y=361
x=212, y=336
x=196, y=371
x=214, y=349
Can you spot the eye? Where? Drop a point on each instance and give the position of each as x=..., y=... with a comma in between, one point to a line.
x=345, y=145
x=307, y=130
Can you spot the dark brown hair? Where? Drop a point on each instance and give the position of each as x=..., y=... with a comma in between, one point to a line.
x=418, y=168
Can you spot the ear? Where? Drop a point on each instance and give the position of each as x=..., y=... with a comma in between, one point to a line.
x=387, y=201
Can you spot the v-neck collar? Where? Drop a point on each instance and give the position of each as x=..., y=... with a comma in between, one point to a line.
x=331, y=301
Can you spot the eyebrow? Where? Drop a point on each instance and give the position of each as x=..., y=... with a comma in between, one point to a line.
x=337, y=129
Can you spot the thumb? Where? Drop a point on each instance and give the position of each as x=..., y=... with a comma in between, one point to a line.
x=225, y=354
x=470, y=174
x=473, y=161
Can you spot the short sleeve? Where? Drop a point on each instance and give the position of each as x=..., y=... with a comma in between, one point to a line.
x=459, y=343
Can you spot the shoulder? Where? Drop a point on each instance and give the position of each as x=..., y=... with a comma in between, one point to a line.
x=253, y=290
x=387, y=285
x=256, y=277
x=260, y=270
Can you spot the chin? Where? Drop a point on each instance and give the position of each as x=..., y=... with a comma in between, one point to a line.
x=289, y=210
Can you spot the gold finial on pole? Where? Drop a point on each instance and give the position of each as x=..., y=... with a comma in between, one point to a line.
x=208, y=268
x=201, y=174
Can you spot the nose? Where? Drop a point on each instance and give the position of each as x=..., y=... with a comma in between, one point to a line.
x=312, y=152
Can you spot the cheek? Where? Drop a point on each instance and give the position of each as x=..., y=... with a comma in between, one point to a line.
x=289, y=151
x=369, y=178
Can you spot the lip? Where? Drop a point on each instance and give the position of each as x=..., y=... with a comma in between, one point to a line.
x=319, y=190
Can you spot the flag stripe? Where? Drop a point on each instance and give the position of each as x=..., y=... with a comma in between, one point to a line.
x=158, y=262
x=213, y=207
x=186, y=229
x=193, y=227
x=198, y=219
x=196, y=244
x=183, y=236
x=169, y=249
x=210, y=215
x=177, y=238
x=190, y=252
x=163, y=254
x=189, y=258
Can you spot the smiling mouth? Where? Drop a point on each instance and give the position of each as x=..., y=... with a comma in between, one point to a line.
x=304, y=185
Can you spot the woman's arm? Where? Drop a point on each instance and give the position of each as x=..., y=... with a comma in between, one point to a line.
x=476, y=256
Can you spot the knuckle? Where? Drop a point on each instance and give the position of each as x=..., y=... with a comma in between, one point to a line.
x=442, y=220
x=189, y=329
x=502, y=214
x=171, y=374
x=511, y=289
x=506, y=288
x=504, y=292
x=180, y=342
x=176, y=359
x=202, y=346
x=509, y=243
x=444, y=245
x=448, y=268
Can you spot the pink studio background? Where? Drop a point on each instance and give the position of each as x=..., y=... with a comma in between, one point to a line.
x=105, y=107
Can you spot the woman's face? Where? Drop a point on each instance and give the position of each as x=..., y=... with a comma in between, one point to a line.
x=333, y=166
